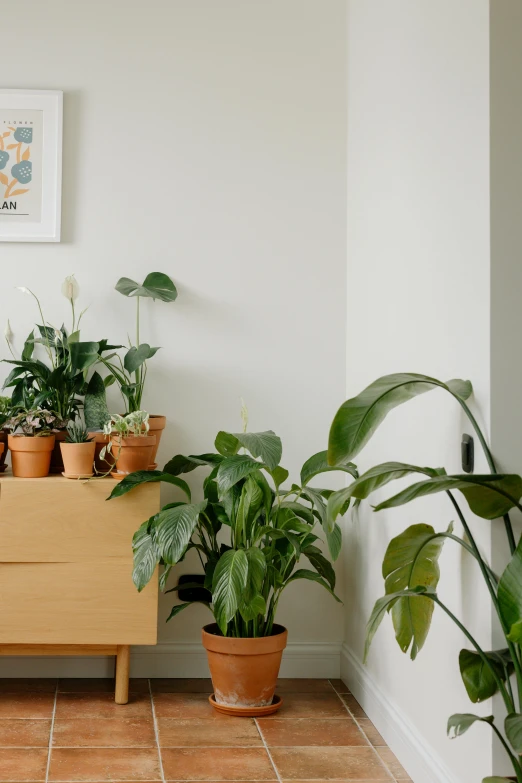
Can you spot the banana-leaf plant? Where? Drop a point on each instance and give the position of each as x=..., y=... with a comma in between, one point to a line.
x=270, y=530
x=410, y=567
x=131, y=371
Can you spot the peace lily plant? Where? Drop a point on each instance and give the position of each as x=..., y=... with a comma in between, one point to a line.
x=410, y=567
x=273, y=538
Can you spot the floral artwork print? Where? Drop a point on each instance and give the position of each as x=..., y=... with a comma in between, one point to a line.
x=16, y=167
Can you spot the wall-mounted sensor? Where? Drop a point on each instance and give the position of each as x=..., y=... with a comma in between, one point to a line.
x=468, y=454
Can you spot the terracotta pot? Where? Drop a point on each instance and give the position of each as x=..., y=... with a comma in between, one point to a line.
x=156, y=426
x=244, y=671
x=132, y=453
x=31, y=457
x=3, y=454
x=56, y=456
x=101, y=465
x=78, y=459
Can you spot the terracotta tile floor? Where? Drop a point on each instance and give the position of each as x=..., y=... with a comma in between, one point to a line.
x=69, y=731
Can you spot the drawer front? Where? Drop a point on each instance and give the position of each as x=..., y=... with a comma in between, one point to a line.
x=75, y=603
x=58, y=520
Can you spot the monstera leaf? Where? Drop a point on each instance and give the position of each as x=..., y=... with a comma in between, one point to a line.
x=155, y=286
x=358, y=418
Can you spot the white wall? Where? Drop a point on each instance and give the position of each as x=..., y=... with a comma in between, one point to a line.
x=418, y=301
x=206, y=140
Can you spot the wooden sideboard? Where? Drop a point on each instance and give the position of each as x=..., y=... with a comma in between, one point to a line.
x=65, y=570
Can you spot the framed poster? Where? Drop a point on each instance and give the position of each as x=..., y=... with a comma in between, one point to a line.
x=30, y=165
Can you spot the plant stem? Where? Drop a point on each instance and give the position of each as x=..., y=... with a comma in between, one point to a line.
x=514, y=760
x=492, y=467
x=485, y=660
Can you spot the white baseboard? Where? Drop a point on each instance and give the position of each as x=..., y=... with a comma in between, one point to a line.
x=419, y=760
x=174, y=659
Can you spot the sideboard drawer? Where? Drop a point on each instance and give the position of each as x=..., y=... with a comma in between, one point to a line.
x=75, y=603
x=58, y=520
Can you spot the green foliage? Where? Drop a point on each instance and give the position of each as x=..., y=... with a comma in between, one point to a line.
x=76, y=433
x=95, y=408
x=6, y=408
x=410, y=568
x=270, y=530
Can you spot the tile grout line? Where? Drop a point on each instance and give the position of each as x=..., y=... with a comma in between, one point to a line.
x=356, y=721
x=156, y=733
x=50, y=747
x=258, y=727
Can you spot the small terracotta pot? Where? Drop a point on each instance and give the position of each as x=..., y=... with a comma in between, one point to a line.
x=156, y=426
x=3, y=453
x=132, y=453
x=30, y=456
x=78, y=459
x=244, y=671
x=101, y=465
x=56, y=456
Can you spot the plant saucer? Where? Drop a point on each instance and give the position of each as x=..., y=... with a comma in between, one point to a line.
x=247, y=712
x=77, y=475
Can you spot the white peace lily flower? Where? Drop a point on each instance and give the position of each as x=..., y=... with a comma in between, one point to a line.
x=70, y=288
x=23, y=289
x=8, y=332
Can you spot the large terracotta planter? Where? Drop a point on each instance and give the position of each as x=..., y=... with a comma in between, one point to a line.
x=56, y=456
x=244, y=671
x=30, y=456
x=3, y=453
x=132, y=453
x=156, y=426
x=78, y=459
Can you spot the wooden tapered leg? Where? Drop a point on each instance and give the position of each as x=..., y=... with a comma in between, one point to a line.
x=121, y=695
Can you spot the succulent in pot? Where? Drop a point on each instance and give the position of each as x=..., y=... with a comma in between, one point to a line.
x=31, y=448
x=271, y=532
x=130, y=445
x=78, y=451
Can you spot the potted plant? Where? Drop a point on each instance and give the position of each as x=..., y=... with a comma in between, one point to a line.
x=31, y=448
x=130, y=444
x=77, y=451
x=56, y=381
x=5, y=414
x=130, y=374
x=411, y=563
x=272, y=530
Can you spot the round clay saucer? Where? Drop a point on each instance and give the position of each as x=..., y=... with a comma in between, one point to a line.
x=247, y=712
x=77, y=475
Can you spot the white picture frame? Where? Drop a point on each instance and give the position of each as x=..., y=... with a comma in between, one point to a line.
x=31, y=123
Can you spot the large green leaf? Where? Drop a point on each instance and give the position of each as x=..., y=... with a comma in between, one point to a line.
x=155, y=286
x=147, y=477
x=510, y=596
x=312, y=576
x=228, y=586
x=181, y=464
x=334, y=541
x=411, y=560
x=318, y=463
x=489, y=496
x=513, y=727
x=84, y=355
x=146, y=555
x=136, y=356
x=249, y=504
x=266, y=445
x=496, y=779
x=478, y=678
x=95, y=410
x=321, y=564
x=370, y=481
x=174, y=528
x=382, y=605
x=459, y=723
x=233, y=469
x=358, y=418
